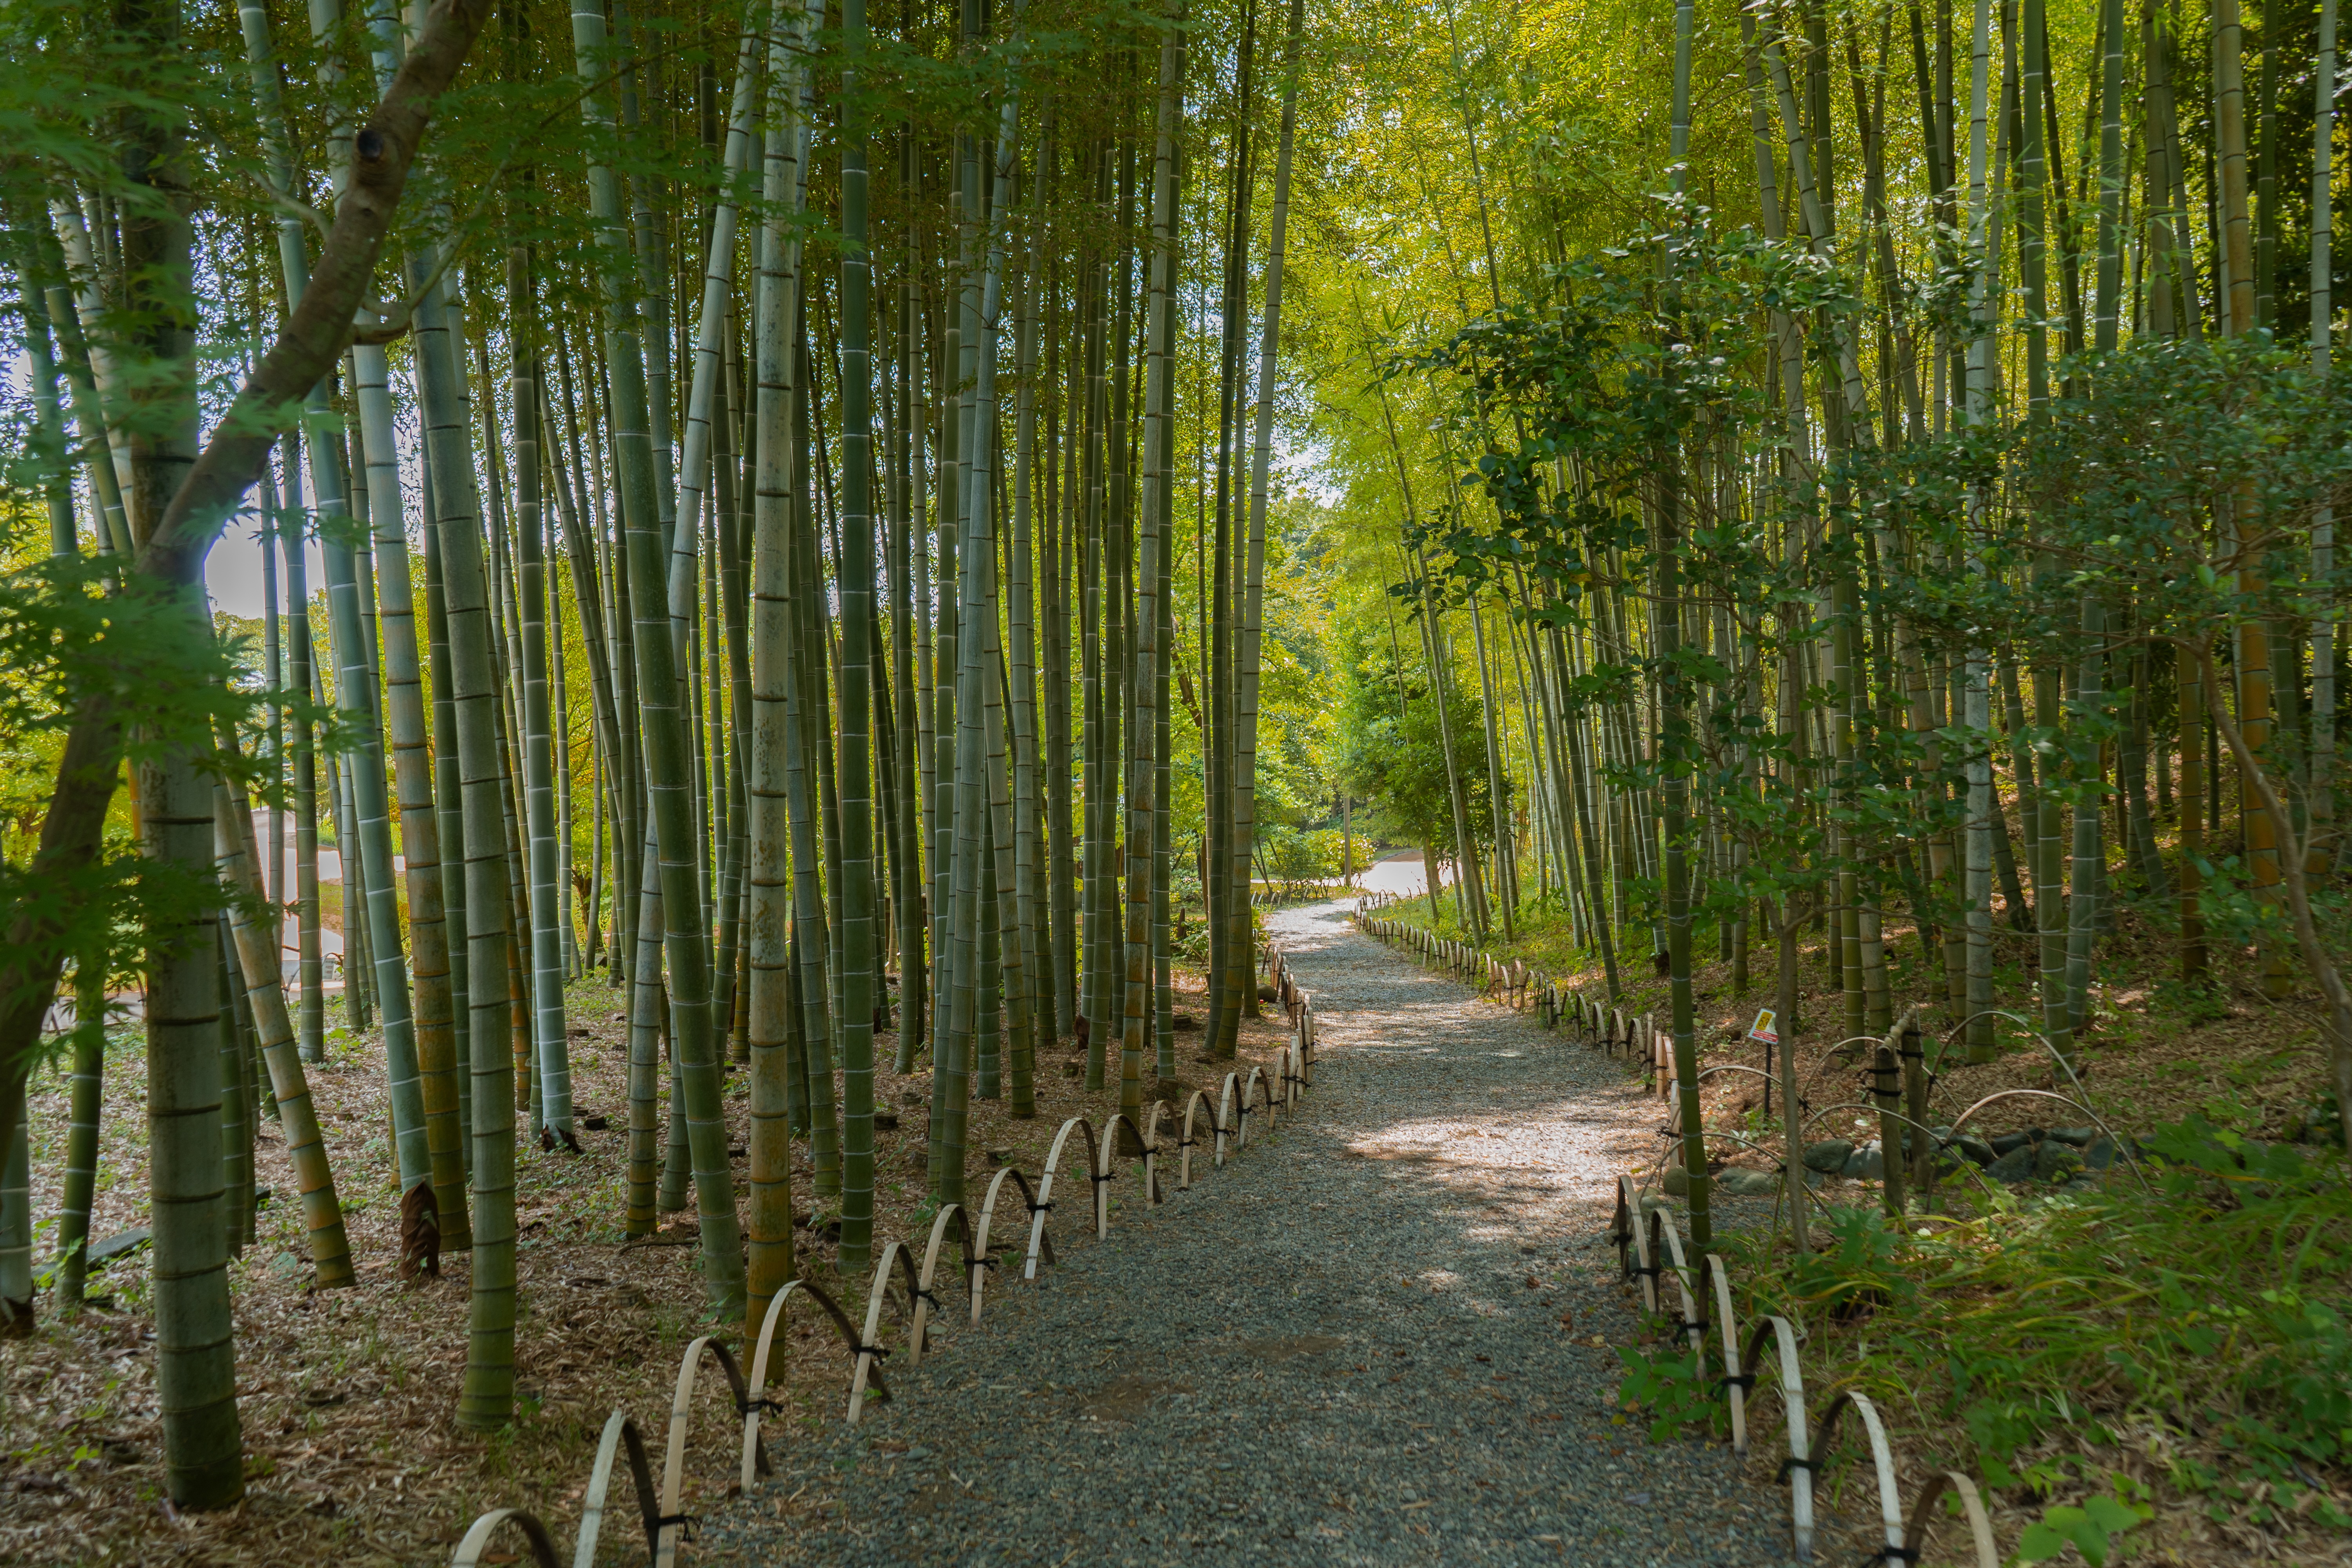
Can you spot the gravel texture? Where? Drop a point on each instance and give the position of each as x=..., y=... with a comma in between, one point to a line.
x=1383, y=1335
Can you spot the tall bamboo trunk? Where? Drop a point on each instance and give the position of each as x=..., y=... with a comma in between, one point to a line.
x=550, y=1038
x=773, y=1023
x=1031, y=1017
x=976, y=616
x=667, y=765
x=1239, y=945
x=914, y=965
x=1159, y=449
x=474, y=695
x=86, y=1100
x=853, y=892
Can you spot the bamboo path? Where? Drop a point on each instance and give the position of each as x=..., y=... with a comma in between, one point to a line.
x=1389, y=1337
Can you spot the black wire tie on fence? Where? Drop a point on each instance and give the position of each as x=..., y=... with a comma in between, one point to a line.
x=744, y=1406
x=1040, y=1208
x=685, y=1522
x=1812, y=1467
x=1903, y=1554
x=878, y=1352
x=1745, y=1381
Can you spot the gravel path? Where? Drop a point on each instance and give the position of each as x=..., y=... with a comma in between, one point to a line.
x=1381, y=1337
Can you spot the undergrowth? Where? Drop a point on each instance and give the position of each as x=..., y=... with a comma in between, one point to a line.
x=2191, y=1333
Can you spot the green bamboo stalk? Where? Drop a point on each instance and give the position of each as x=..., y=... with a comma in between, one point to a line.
x=1245, y=719
x=804, y=676
x=450, y=833
x=17, y=1220
x=1061, y=854
x=668, y=770
x=1005, y=1054
x=1231, y=977
x=853, y=894
x=983, y=295
x=503, y=639
x=1100, y=786
x=550, y=1037
x=48, y=444
x=310, y=971
x=2111, y=174
x=195, y=1351
x=914, y=967
x=1150, y=579
x=195, y=1348
x=773, y=1007
x=945, y=661
x=372, y=917
x=996, y=887
x=649, y=1197
x=370, y=871
x=487, y=1400
x=113, y=529
x=560, y=727
x=696, y=470
x=733, y=1002
x=87, y=1100
x=97, y=371
x=236, y=1132
x=1030, y=1000
x=1114, y=621
x=1674, y=737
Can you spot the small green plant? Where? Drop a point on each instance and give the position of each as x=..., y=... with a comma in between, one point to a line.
x=1674, y=1389
x=1860, y=1273
x=2093, y=1529
x=2195, y=1003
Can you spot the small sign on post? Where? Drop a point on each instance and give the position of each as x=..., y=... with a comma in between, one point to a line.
x=1767, y=1029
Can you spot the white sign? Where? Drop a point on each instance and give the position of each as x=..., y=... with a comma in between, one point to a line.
x=1766, y=1027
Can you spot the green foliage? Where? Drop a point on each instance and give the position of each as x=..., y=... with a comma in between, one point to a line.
x=2206, y=1308
x=1673, y=1388
x=1396, y=760
x=69, y=638
x=1860, y=1272
x=1299, y=855
x=2093, y=1529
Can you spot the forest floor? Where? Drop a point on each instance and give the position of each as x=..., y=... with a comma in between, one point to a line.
x=2154, y=1051
x=346, y=1395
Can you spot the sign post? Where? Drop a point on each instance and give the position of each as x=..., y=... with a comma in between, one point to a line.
x=1767, y=1028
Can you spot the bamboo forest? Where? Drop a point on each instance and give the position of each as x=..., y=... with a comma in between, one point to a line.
x=1079, y=782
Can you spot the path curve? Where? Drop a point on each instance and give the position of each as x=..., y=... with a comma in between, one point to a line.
x=1372, y=1340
